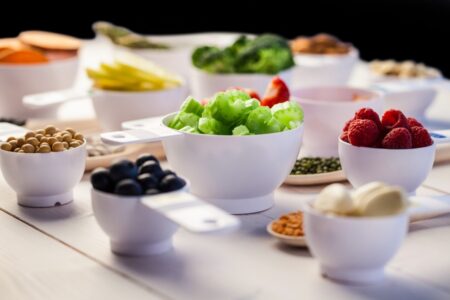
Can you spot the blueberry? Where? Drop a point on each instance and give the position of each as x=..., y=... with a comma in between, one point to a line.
x=168, y=172
x=171, y=183
x=101, y=180
x=123, y=169
x=151, y=167
x=128, y=187
x=152, y=192
x=145, y=157
x=147, y=181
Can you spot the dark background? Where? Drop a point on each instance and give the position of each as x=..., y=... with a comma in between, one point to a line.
x=415, y=29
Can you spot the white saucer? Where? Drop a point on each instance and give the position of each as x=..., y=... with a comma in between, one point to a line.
x=286, y=239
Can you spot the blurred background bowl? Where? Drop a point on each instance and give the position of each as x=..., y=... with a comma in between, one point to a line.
x=17, y=81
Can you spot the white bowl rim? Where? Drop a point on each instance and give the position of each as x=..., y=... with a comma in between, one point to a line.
x=167, y=117
x=376, y=95
x=308, y=208
x=138, y=198
x=42, y=65
x=386, y=149
x=242, y=74
x=353, y=52
x=49, y=154
x=93, y=89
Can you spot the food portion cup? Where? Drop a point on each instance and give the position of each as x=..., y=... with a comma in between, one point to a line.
x=326, y=110
x=407, y=168
x=353, y=249
x=412, y=100
x=204, y=84
x=43, y=179
x=144, y=225
x=16, y=81
x=133, y=229
x=236, y=173
x=115, y=107
x=323, y=69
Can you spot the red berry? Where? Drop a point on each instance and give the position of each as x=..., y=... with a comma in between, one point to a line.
x=394, y=119
x=276, y=92
x=413, y=122
x=344, y=137
x=369, y=114
x=397, y=138
x=420, y=137
x=363, y=133
x=347, y=125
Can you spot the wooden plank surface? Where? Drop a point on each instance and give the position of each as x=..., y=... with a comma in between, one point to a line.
x=35, y=266
x=247, y=264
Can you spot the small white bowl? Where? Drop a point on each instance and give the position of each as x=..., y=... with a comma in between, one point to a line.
x=326, y=110
x=115, y=107
x=133, y=228
x=43, y=179
x=412, y=100
x=18, y=80
x=323, y=69
x=353, y=249
x=204, y=84
x=236, y=173
x=407, y=168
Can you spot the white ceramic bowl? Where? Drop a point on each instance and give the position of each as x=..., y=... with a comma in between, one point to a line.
x=43, y=179
x=18, y=80
x=204, y=84
x=326, y=110
x=412, y=100
x=319, y=69
x=407, y=168
x=412, y=103
x=236, y=173
x=133, y=228
x=353, y=249
x=114, y=107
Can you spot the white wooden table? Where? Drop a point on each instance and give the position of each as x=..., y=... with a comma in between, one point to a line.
x=61, y=253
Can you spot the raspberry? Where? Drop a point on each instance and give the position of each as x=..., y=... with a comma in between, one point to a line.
x=344, y=137
x=363, y=133
x=347, y=125
x=413, y=122
x=369, y=114
x=420, y=137
x=394, y=119
x=397, y=138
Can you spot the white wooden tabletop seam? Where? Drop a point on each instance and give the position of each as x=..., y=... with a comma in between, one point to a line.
x=124, y=275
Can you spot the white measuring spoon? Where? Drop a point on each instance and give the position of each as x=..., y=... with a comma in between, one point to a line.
x=40, y=100
x=191, y=213
x=8, y=129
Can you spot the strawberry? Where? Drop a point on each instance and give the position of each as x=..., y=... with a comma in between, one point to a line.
x=252, y=93
x=276, y=92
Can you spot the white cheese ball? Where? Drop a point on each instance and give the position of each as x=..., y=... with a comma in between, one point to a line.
x=335, y=199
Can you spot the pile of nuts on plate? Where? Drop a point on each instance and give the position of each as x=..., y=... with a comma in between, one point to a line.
x=290, y=224
x=49, y=139
x=404, y=69
x=95, y=147
x=319, y=44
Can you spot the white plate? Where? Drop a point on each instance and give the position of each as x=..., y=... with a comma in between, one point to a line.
x=313, y=179
x=285, y=239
